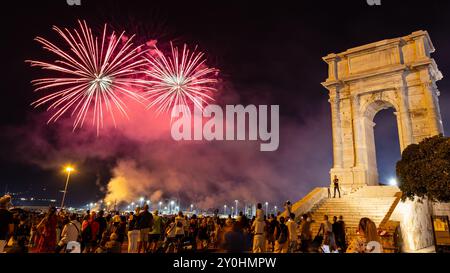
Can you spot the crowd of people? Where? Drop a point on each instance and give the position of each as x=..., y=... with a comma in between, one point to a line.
x=142, y=231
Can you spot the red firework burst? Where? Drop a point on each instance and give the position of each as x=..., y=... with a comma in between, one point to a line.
x=93, y=76
x=181, y=79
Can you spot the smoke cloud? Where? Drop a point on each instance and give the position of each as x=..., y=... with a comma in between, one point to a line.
x=145, y=161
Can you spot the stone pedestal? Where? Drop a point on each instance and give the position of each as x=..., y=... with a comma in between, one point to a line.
x=415, y=224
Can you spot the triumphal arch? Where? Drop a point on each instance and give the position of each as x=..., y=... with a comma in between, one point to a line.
x=396, y=73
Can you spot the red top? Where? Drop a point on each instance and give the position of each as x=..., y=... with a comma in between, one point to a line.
x=94, y=227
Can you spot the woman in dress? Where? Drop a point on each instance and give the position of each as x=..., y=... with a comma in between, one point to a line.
x=47, y=240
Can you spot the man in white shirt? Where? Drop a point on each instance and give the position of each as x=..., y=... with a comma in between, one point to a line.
x=292, y=227
x=259, y=237
x=70, y=232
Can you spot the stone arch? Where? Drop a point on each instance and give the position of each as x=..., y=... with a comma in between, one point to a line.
x=397, y=73
x=371, y=108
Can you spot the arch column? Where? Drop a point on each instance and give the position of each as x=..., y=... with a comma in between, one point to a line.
x=359, y=169
x=403, y=115
x=336, y=131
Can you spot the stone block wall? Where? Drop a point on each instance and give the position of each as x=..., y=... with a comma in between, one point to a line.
x=415, y=224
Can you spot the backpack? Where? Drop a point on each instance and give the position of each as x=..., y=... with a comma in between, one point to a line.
x=86, y=234
x=282, y=235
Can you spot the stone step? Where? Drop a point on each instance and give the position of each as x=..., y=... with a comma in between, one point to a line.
x=370, y=202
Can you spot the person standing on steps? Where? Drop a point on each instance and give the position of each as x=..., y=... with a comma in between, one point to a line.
x=336, y=186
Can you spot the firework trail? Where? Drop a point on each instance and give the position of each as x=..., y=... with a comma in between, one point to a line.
x=93, y=76
x=181, y=79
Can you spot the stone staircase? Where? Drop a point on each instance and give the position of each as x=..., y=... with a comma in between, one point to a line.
x=374, y=202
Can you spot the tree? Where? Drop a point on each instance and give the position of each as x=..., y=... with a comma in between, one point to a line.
x=424, y=170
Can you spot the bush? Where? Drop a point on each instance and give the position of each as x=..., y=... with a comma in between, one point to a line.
x=424, y=170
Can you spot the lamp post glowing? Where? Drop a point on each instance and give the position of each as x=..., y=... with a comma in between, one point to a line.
x=237, y=201
x=68, y=169
x=160, y=204
x=276, y=210
x=192, y=208
x=267, y=207
x=171, y=206
x=224, y=209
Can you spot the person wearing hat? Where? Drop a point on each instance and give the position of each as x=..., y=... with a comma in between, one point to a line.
x=6, y=221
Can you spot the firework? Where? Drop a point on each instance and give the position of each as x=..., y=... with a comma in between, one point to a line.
x=182, y=79
x=94, y=76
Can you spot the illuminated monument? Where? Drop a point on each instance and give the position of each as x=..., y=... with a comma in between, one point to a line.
x=396, y=73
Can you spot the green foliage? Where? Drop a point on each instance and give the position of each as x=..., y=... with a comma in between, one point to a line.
x=424, y=170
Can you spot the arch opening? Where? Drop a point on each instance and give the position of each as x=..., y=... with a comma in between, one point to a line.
x=387, y=145
x=378, y=125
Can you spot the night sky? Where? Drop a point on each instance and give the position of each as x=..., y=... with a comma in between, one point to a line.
x=268, y=53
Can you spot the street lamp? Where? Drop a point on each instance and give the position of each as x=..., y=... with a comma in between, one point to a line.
x=267, y=207
x=171, y=206
x=237, y=201
x=141, y=200
x=393, y=182
x=224, y=209
x=160, y=204
x=192, y=208
x=276, y=210
x=68, y=169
